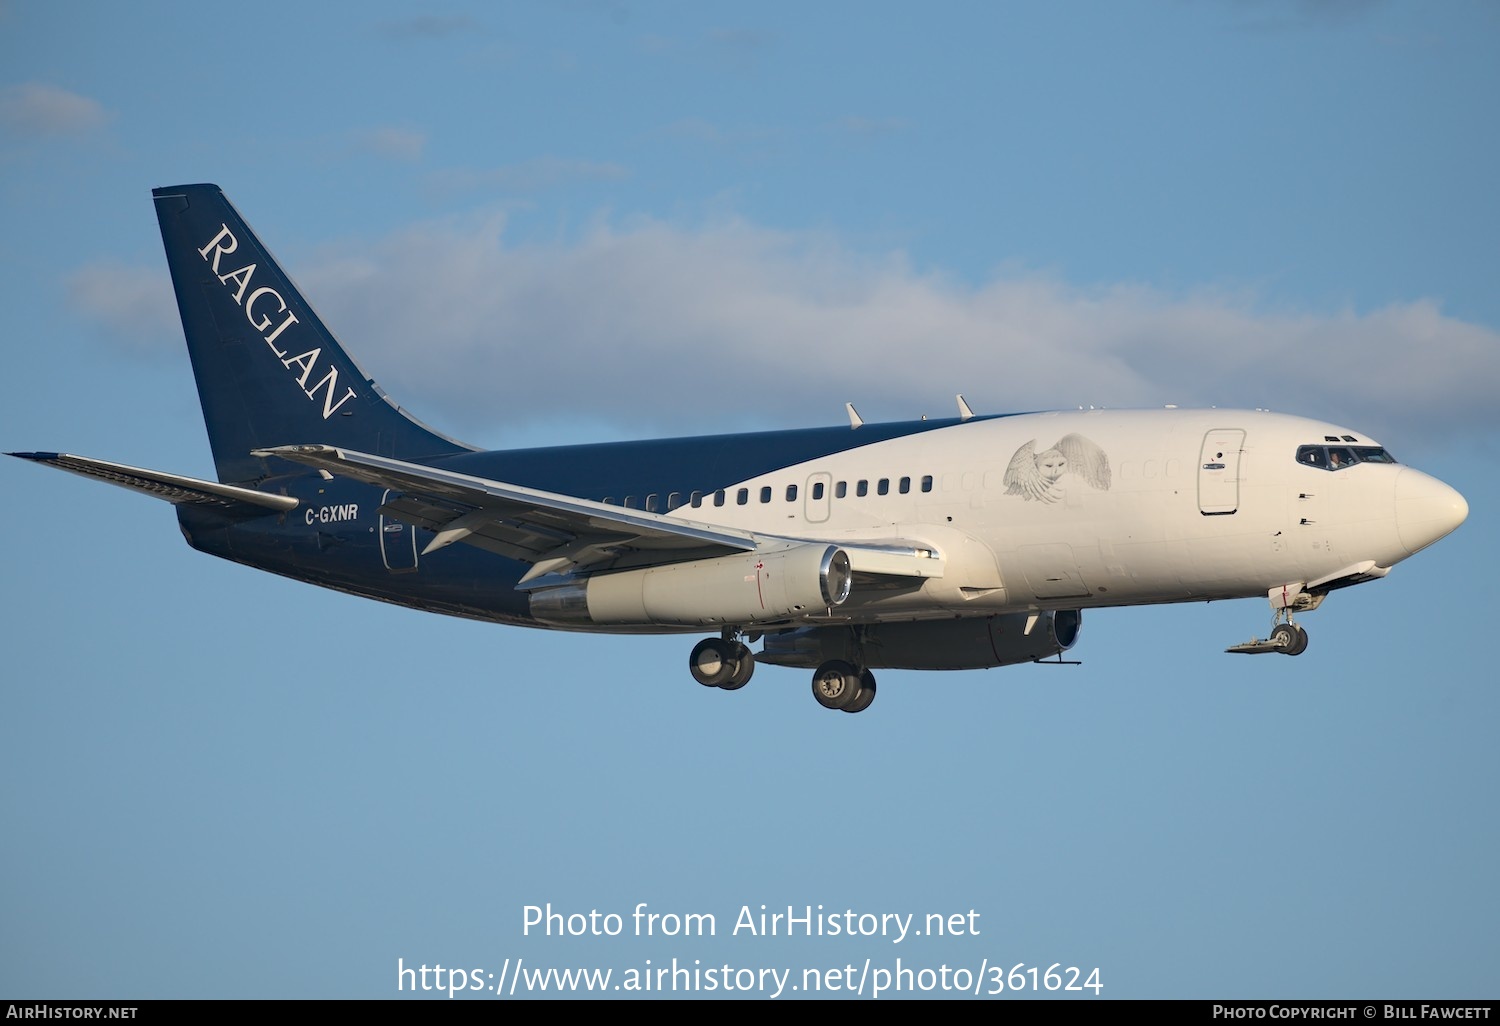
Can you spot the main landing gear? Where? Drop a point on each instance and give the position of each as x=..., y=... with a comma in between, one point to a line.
x=726, y=662
x=840, y=685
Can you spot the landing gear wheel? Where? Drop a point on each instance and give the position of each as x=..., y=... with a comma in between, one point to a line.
x=1291, y=639
x=713, y=662
x=744, y=666
x=1300, y=645
x=866, y=693
x=835, y=684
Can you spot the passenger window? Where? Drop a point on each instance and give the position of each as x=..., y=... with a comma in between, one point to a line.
x=905, y=485
x=630, y=502
x=791, y=493
x=818, y=490
x=765, y=493
x=609, y=500
x=743, y=496
x=674, y=500
x=884, y=487
x=651, y=501
x=927, y=483
x=841, y=489
x=862, y=489
x=719, y=497
x=696, y=499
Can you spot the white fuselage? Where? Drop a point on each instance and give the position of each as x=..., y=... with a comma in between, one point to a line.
x=1100, y=508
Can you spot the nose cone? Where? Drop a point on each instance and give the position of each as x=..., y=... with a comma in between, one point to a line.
x=1426, y=509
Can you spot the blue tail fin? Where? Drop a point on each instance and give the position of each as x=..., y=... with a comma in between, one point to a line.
x=269, y=373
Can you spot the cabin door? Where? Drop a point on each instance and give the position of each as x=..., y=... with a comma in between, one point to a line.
x=819, y=497
x=398, y=542
x=1219, y=472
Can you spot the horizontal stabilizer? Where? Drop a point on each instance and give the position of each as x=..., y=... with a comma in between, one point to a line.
x=171, y=487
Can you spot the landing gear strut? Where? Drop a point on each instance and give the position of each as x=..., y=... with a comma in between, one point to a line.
x=840, y=685
x=1287, y=637
x=725, y=662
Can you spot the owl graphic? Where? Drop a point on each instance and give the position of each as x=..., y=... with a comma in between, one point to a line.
x=1038, y=476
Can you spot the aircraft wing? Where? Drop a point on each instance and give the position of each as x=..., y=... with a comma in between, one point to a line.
x=561, y=534
x=554, y=533
x=171, y=487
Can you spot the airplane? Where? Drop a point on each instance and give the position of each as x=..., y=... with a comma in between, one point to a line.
x=957, y=543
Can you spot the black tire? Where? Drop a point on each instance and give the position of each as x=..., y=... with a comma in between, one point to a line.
x=1300, y=645
x=1284, y=637
x=866, y=693
x=712, y=662
x=835, y=684
x=744, y=666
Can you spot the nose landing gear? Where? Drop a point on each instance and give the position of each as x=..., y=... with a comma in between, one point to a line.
x=1287, y=637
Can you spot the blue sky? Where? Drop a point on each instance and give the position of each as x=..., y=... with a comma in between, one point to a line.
x=547, y=222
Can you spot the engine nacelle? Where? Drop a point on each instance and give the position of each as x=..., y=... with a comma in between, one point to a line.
x=972, y=643
x=739, y=590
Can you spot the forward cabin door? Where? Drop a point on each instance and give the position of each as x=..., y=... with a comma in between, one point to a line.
x=1219, y=472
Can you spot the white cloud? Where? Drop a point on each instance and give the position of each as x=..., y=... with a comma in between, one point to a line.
x=37, y=109
x=134, y=303
x=393, y=143
x=528, y=175
x=663, y=329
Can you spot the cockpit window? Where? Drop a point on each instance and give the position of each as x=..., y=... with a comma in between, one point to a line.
x=1313, y=456
x=1337, y=457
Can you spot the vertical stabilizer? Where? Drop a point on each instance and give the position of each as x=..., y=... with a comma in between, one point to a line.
x=269, y=372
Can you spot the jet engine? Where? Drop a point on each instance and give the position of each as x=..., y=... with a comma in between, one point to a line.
x=739, y=590
x=972, y=643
